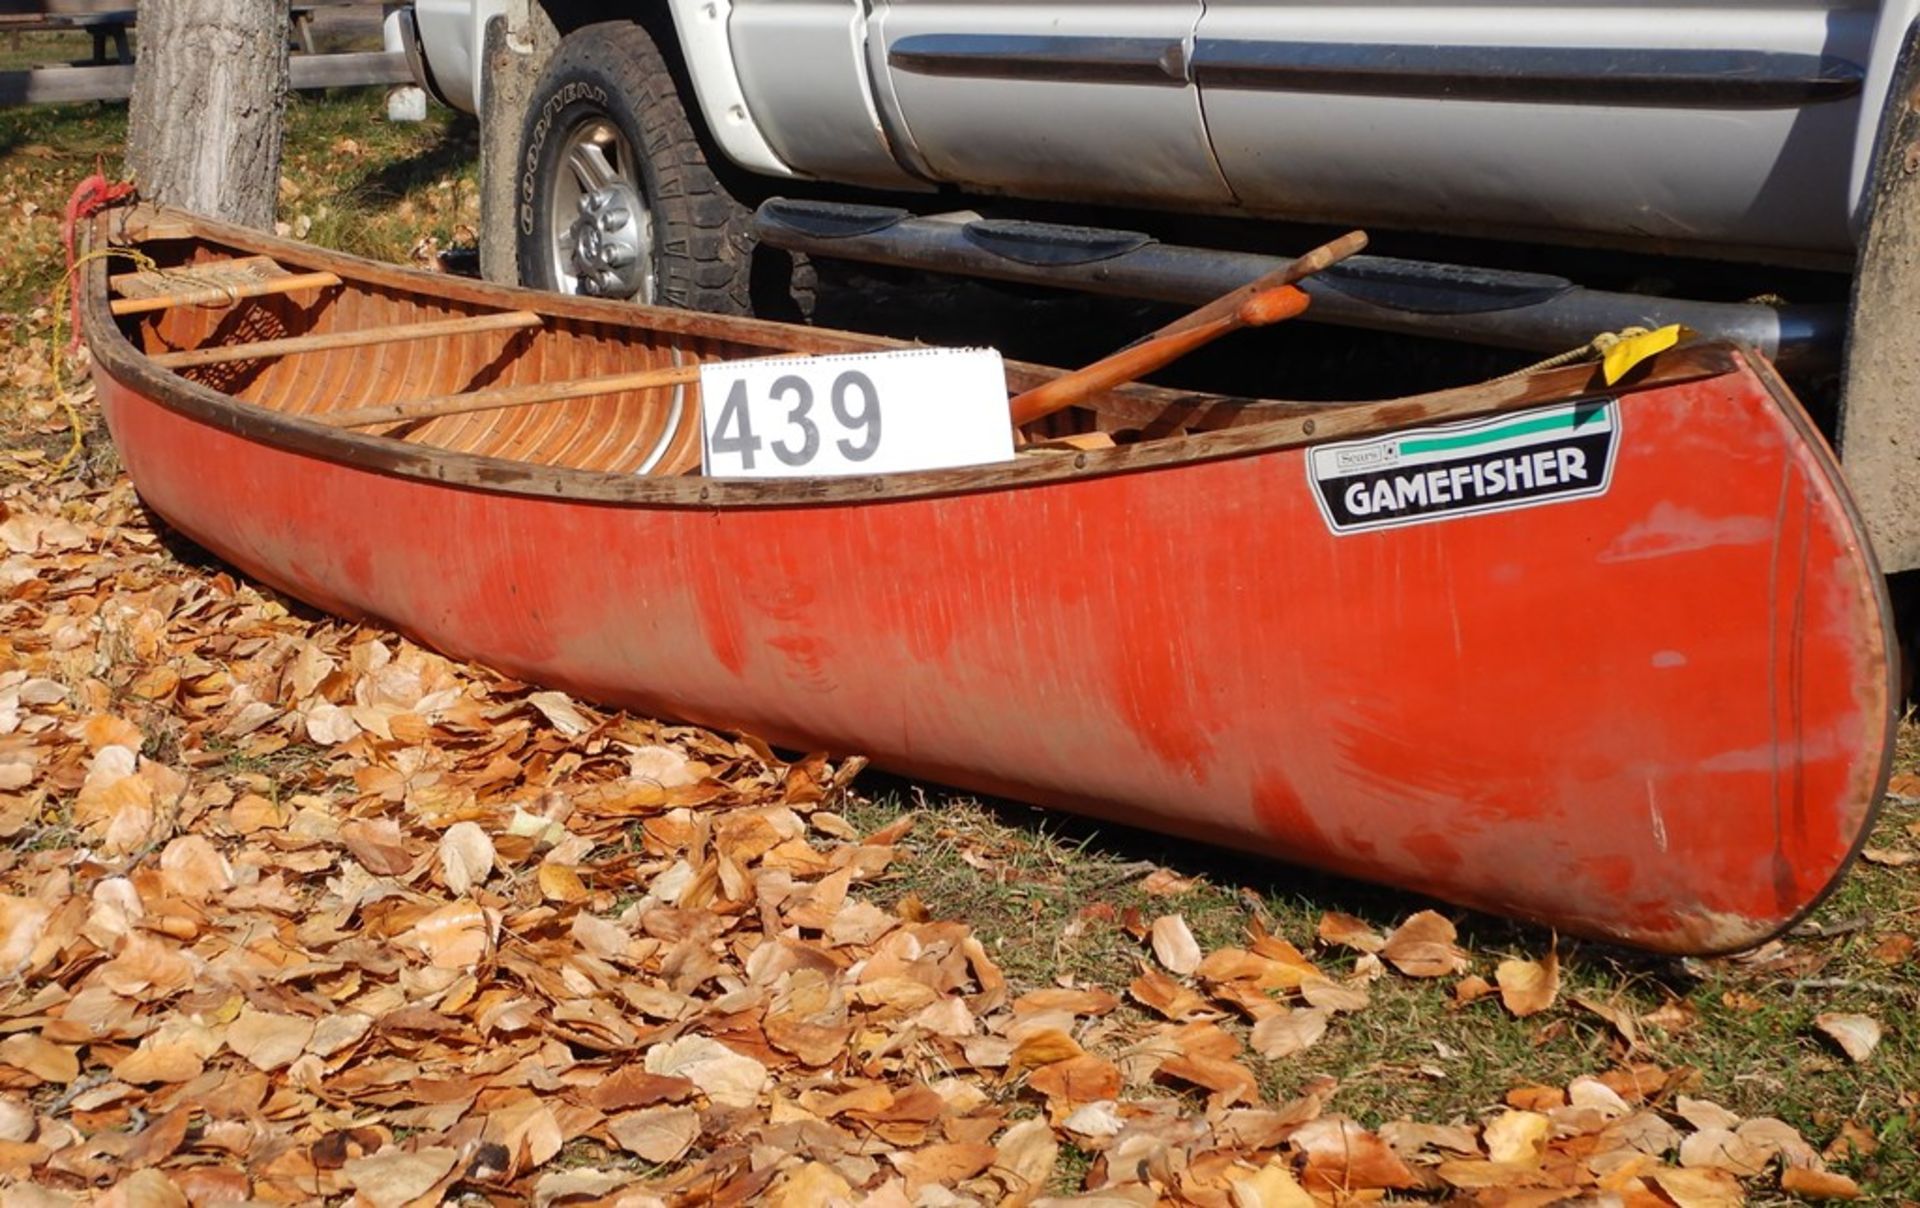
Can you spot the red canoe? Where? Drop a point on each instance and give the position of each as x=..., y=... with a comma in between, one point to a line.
x=1617, y=660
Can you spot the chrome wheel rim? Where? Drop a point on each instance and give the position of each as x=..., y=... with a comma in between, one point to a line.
x=602, y=241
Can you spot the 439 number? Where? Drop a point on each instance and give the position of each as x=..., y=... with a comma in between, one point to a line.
x=853, y=400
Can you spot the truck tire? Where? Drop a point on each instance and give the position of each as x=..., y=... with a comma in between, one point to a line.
x=616, y=197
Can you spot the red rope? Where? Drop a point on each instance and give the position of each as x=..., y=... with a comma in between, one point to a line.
x=94, y=194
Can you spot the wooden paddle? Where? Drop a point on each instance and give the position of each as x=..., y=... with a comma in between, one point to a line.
x=1318, y=260
x=1070, y=389
x=1269, y=299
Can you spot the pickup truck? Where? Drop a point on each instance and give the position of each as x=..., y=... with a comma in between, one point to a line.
x=659, y=150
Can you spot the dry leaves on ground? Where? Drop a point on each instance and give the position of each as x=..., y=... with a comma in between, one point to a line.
x=1857, y=1035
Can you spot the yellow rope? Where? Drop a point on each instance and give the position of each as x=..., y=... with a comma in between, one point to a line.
x=62, y=291
x=1597, y=347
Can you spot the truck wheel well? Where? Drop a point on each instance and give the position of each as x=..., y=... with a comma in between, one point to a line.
x=782, y=283
x=569, y=15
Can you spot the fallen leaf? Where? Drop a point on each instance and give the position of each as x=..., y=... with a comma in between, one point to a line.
x=1471, y=989
x=663, y=766
x=943, y=1165
x=1423, y=946
x=1529, y=987
x=17, y=1120
x=377, y=844
x=1700, y=1188
x=1087, y=1078
x=1095, y=1120
x=1346, y=931
x=22, y=922
x=1720, y=1149
x=1671, y=1016
x=1892, y=949
x=1332, y=996
x=1272, y=1186
x=1284, y=1035
x=466, y=857
x=1779, y=1138
x=1342, y=1156
x=1857, y=1035
x=1174, y=946
x=394, y=1176
x=1410, y=1140
x=1818, y=1184
x=333, y=1033
x=1854, y=1141
x=268, y=1040
x=329, y=725
x=560, y=711
x=728, y=1078
x=1518, y=1138
x=1889, y=857
x=456, y=936
x=44, y=1060
x=1024, y=1160
x=1164, y=883
x=559, y=883
x=1044, y=1047
x=1621, y=1019
x=659, y=1135
x=190, y=868
x=170, y=1055
x=1704, y=1113
x=809, y=1186
x=1158, y=992
x=141, y=1189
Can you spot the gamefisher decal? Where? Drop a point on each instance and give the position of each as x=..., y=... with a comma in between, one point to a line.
x=1466, y=469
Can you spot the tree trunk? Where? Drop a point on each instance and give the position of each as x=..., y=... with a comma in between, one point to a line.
x=209, y=104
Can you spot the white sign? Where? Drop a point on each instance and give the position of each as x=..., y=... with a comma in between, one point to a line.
x=862, y=413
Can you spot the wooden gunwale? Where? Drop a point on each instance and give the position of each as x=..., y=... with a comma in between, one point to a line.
x=1247, y=430
x=1829, y=462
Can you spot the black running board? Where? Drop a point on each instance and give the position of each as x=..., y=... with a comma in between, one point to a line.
x=1530, y=311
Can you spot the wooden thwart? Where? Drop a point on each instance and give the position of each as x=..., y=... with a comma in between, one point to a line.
x=510, y=396
x=398, y=333
x=215, y=295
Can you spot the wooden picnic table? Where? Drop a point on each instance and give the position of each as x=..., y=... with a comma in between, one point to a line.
x=103, y=24
x=109, y=20
x=109, y=78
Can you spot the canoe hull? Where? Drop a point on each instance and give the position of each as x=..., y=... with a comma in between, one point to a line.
x=1661, y=715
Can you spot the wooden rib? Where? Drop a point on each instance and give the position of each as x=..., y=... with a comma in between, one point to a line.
x=225, y=293
x=510, y=396
x=398, y=333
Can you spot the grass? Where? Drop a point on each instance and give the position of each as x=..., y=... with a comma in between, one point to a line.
x=350, y=179
x=1048, y=895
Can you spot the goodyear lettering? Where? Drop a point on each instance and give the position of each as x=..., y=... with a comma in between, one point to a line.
x=570, y=93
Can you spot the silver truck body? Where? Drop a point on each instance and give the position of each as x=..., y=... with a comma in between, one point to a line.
x=1736, y=130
